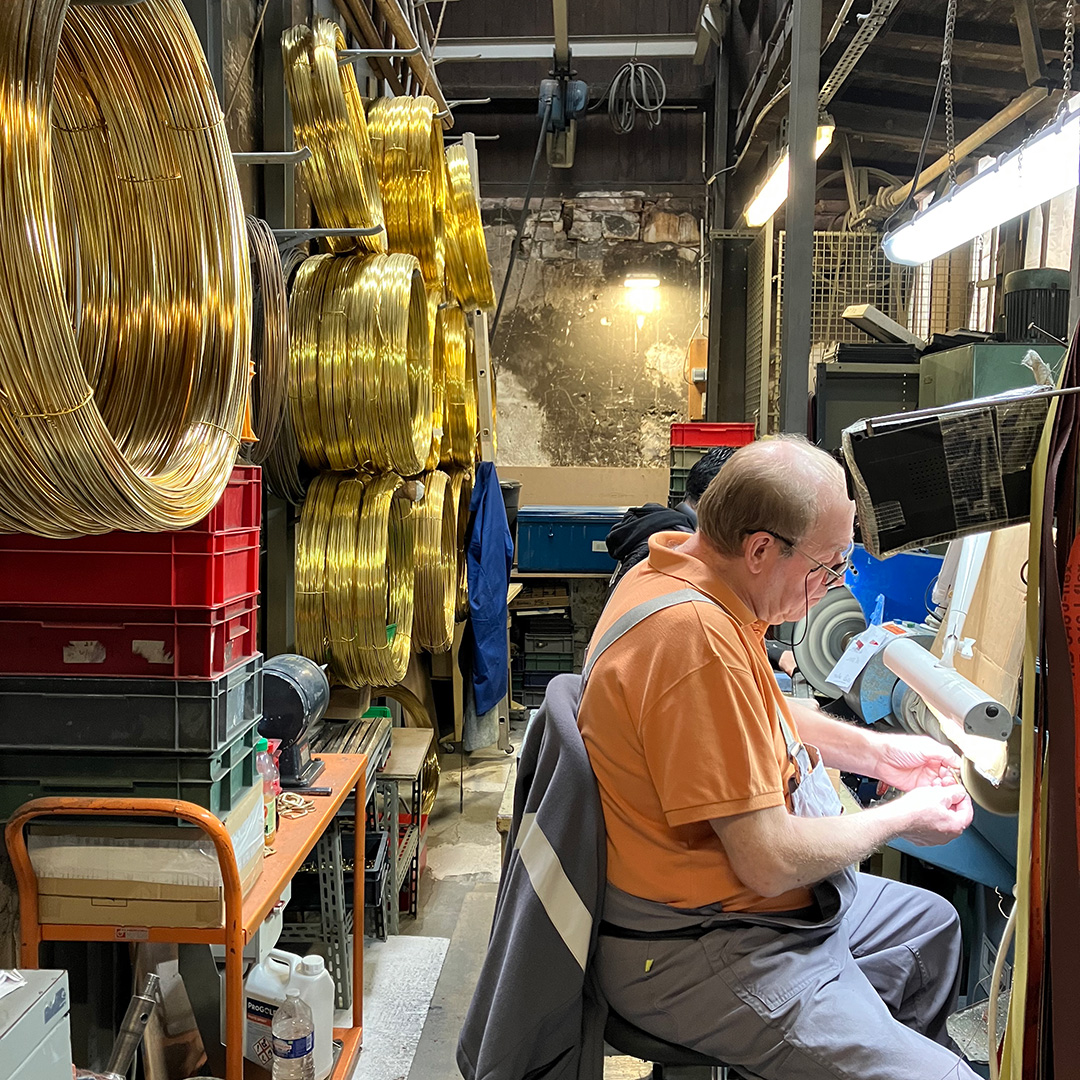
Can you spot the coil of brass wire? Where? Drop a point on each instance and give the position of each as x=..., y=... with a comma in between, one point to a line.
x=269, y=340
x=468, y=271
x=461, y=489
x=124, y=339
x=451, y=343
x=436, y=564
x=438, y=377
x=408, y=145
x=328, y=118
x=355, y=578
x=360, y=363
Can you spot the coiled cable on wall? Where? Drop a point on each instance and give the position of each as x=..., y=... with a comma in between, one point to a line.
x=269, y=340
x=328, y=118
x=355, y=578
x=360, y=363
x=451, y=345
x=436, y=564
x=408, y=146
x=637, y=87
x=124, y=339
x=468, y=271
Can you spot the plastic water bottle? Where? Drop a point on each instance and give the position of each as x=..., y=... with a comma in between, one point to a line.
x=268, y=770
x=294, y=1040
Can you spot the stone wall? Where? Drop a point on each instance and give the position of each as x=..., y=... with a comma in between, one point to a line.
x=584, y=378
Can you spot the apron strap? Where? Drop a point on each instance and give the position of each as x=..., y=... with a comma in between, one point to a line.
x=628, y=620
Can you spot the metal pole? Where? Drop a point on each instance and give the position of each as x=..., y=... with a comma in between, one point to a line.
x=799, y=242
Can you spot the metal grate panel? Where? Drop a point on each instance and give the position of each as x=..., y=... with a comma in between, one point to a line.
x=755, y=299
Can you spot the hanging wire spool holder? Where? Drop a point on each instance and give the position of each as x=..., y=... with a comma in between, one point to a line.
x=289, y=238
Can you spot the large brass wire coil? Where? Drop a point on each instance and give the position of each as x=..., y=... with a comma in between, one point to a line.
x=461, y=494
x=451, y=342
x=355, y=578
x=468, y=271
x=125, y=290
x=269, y=340
x=408, y=145
x=360, y=363
x=328, y=118
x=436, y=295
x=436, y=564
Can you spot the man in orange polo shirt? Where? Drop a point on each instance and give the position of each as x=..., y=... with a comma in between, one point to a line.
x=733, y=922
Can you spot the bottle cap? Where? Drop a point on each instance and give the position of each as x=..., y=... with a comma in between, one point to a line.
x=313, y=965
x=292, y=992
x=261, y=745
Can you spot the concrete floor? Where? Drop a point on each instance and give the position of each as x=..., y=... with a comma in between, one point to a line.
x=457, y=901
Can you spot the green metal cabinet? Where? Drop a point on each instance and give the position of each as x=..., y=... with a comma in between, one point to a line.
x=973, y=371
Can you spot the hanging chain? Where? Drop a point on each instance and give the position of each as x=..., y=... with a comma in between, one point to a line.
x=946, y=71
x=1067, y=55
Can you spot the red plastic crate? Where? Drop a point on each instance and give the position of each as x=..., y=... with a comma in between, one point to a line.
x=131, y=643
x=712, y=434
x=240, y=507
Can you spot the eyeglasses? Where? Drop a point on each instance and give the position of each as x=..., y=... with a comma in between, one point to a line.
x=834, y=575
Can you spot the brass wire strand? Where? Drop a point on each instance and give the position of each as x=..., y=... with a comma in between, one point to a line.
x=436, y=564
x=461, y=494
x=328, y=119
x=124, y=339
x=468, y=272
x=408, y=145
x=355, y=578
x=451, y=343
x=360, y=383
x=435, y=296
x=269, y=340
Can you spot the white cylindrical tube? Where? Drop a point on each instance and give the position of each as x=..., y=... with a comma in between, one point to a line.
x=947, y=691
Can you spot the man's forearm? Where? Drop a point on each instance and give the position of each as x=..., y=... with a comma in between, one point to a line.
x=843, y=746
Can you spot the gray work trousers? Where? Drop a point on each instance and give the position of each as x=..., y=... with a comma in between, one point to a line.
x=866, y=1002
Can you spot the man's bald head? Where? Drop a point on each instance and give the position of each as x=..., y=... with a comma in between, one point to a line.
x=783, y=485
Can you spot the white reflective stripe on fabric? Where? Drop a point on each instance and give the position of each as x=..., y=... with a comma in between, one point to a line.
x=556, y=892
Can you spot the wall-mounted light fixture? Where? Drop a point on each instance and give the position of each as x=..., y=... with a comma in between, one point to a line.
x=1034, y=173
x=772, y=194
x=642, y=295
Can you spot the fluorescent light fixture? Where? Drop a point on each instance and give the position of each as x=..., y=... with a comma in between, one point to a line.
x=642, y=295
x=1034, y=173
x=771, y=195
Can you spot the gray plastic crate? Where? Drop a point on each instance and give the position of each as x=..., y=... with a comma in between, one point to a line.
x=556, y=662
x=216, y=781
x=535, y=644
x=130, y=715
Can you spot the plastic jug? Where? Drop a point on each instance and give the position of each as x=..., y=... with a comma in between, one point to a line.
x=264, y=991
x=316, y=987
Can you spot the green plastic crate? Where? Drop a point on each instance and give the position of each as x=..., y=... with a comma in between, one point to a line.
x=215, y=781
x=549, y=662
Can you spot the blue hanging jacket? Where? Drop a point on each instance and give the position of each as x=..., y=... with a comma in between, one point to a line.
x=489, y=557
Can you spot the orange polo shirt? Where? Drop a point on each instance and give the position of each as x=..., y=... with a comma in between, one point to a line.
x=680, y=718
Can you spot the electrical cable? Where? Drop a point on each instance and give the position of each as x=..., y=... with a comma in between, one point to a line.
x=516, y=245
x=328, y=119
x=361, y=363
x=636, y=87
x=468, y=271
x=124, y=340
x=407, y=143
x=269, y=340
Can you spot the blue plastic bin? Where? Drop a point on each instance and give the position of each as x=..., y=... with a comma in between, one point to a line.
x=566, y=539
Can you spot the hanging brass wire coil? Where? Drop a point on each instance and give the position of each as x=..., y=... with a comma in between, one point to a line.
x=124, y=337
x=360, y=363
x=451, y=343
x=408, y=145
x=468, y=271
x=461, y=489
x=269, y=340
x=438, y=377
x=436, y=564
x=355, y=578
x=328, y=118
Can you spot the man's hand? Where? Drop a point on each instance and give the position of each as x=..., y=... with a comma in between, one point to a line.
x=786, y=662
x=937, y=814
x=908, y=762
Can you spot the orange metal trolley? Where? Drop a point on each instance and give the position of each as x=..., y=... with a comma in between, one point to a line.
x=344, y=774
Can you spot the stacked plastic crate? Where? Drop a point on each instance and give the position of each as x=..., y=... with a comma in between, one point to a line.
x=548, y=651
x=690, y=442
x=129, y=662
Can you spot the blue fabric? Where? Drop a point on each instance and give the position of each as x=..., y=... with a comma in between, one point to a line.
x=489, y=557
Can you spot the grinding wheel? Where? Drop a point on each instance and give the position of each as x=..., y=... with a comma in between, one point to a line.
x=1003, y=800
x=832, y=624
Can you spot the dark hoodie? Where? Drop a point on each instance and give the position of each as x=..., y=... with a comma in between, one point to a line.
x=628, y=542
